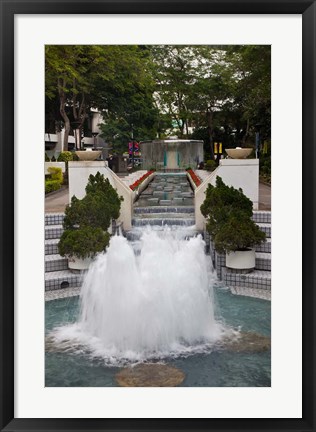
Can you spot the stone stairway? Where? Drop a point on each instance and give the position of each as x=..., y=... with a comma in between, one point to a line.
x=57, y=275
x=260, y=278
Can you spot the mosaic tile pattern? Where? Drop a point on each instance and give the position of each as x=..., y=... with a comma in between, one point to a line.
x=265, y=247
x=263, y=261
x=266, y=228
x=53, y=231
x=258, y=279
x=262, y=216
x=62, y=279
x=51, y=247
x=55, y=263
x=54, y=218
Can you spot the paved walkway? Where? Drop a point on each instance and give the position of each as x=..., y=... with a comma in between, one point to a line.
x=56, y=202
x=264, y=197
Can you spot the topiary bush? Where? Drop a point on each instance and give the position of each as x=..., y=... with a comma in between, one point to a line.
x=46, y=158
x=83, y=242
x=228, y=214
x=65, y=156
x=90, y=215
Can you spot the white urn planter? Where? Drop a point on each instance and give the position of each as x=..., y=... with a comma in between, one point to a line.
x=238, y=152
x=241, y=260
x=88, y=155
x=75, y=263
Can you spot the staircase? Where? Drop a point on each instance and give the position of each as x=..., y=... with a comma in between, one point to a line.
x=57, y=275
x=260, y=279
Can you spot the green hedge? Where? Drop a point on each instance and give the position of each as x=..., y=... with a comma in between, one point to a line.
x=56, y=174
x=52, y=185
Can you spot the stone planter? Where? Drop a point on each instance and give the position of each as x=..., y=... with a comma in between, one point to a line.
x=194, y=186
x=88, y=155
x=241, y=260
x=75, y=263
x=142, y=186
x=238, y=153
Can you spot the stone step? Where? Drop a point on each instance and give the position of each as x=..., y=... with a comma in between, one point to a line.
x=266, y=228
x=139, y=222
x=55, y=263
x=53, y=231
x=51, y=246
x=260, y=216
x=258, y=279
x=135, y=234
x=164, y=216
x=62, y=279
x=162, y=209
x=265, y=247
x=54, y=218
x=263, y=261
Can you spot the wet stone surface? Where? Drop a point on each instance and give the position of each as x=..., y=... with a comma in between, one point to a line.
x=171, y=188
x=247, y=342
x=150, y=375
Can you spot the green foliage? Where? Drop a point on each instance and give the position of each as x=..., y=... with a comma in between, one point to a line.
x=223, y=91
x=46, y=158
x=265, y=168
x=56, y=174
x=65, y=156
x=51, y=186
x=83, y=242
x=94, y=212
x=53, y=159
x=210, y=165
x=238, y=233
x=229, y=218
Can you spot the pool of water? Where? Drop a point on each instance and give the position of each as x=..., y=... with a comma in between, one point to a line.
x=219, y=367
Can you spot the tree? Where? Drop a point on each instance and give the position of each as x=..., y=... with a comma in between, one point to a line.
x=174, y=69
x=127, y=103
x=111, y=78
x=71, y=73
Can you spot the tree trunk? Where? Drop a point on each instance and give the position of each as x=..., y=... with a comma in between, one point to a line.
x=62, y=103
x=209, y=118
x=246, y=134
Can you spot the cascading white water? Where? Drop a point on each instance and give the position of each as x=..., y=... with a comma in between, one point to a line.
x=153, y=305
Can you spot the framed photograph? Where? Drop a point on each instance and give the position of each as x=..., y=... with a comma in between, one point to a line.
x=128, y=356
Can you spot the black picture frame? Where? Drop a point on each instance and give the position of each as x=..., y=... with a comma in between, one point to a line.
x=9, y=8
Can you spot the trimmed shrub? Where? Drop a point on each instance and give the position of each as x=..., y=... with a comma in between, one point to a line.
x=46, y=158
x=65, y=156
x=87, y=220
x=83, y=242
x=210, y=165
x=51, y=186
x=229, y=218
x=56, y=174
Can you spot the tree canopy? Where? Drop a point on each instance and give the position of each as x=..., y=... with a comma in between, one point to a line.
x=214, y=93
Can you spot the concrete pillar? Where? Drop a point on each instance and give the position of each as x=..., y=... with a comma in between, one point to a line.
x=79, y=173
